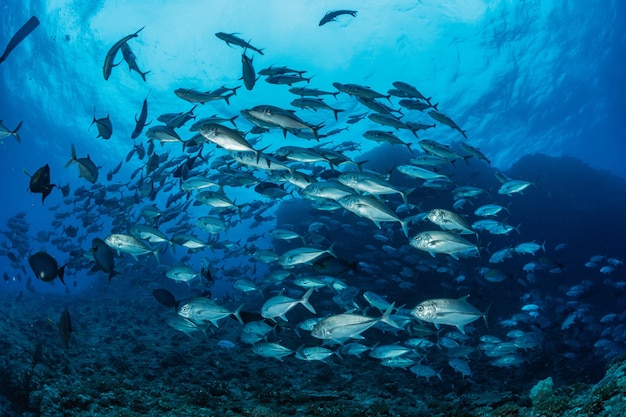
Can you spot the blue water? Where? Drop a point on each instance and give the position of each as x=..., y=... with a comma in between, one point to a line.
x=537, y=85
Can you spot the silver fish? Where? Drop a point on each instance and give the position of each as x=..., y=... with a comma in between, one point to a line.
x=449, y=311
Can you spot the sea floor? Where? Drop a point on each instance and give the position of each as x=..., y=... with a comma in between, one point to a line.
x=123, y=360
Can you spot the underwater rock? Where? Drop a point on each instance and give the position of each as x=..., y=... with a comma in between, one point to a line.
x=542, y=391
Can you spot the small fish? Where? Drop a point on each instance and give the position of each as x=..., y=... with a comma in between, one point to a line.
x=279, y=305
x=442, y=118
x=130, y=245
x=230, y=38
x=105, y=128
x=131, y=60
x=86, y=167
x=65, y=327
x=441, y=242
x=40, y=182
x=332, y=16
x=140, y=122
x=249, y=76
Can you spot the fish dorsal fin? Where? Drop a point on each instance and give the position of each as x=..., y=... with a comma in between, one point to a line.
x=464, y=298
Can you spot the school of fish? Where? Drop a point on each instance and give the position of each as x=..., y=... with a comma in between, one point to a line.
x=354, y=239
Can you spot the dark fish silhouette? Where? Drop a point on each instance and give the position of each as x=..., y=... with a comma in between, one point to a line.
x=104, y=257
x=19, y=36
x=110, y=56
x=131, y=60
x=230, y=38
x=165, y=297
x=40, y=182
x=140, y=122
x=105, y=128
x=46, y=267
x=332, y=16
x=65, y=327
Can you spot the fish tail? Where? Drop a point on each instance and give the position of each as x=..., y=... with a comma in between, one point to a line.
x=485, y=314
x=236, y=314
x=14, y=133
x=386, y=317
x=232, y=119
x=156, y=255
x=305, y=300
x=61, y=273
x=143, y=75
x=405, y=228
x=337, y=111
x=330, y=250
x=73, y=157
x=112, y=274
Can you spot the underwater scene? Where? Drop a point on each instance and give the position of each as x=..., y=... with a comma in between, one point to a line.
x=312, y=208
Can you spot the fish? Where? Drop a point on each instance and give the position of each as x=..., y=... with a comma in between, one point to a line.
x=314, y=104
x=86, y=168
x=474, y=151
x=181, y=273
x=46, y=267
x=227, y=138
x=287, y=79
x=303, y=255
x=271, y=350
x=272, y=70
x=201, y=310
x=344, y=326
x=450, y=221
x=312, y=92
x=442, y=118
x=372, y=209
x=21, y=34
x=513, y=187
x=279, y=305
x=449, y=311
x=104, y=257
x=388, y=137
x=417, y=105
x=140, y=122
x=129, y=244
x=5, y=132
x=331, y=16
x=248, y=72
x=410, y=91
x=40, y=182
x=441, y=242
x=285, y=119
x=371, y=183
x=110, y=56
x=164, y=134
x=529, y=247
x=104, y=126
x=165, y=297
x=131, y=60
x=185, y=325
x=230, y=38
x=490, y=210
x=195, y=96
x=65, y=327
